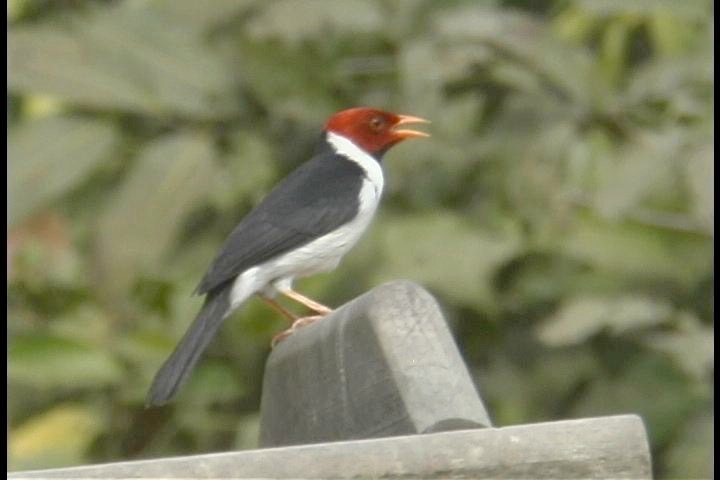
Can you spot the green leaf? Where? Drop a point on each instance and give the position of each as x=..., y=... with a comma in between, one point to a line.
x=692, y=455
x=670, y=35
x=171, y=176
x=47, y=362
x=626, y=180
x=423, y=91
x=50, y=156
x=87, y=324
x=58, y=437
x=531, y=392
x=123, y=58
x=296, y=85
x=481, y=22
x=632, y=250
x=296, y=20
x=248, y=433
x=199, y=16
x=574, y=24
x=614, y=49
x=246, y=172
x=214, y=382
x=700, y=173
x=565, y=71
x=693, y=10
x=584, y=316
x=444, y=252
x=538, y=278
x=691, y=345
x=650, y=387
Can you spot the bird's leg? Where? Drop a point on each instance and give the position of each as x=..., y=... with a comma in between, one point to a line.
x=299, y=323
x=278, y=308
x=308, y=302
x=284, y=312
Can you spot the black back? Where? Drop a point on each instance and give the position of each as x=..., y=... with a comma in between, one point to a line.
x=318, y=197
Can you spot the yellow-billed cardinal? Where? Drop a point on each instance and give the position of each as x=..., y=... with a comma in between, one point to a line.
x=304, y=226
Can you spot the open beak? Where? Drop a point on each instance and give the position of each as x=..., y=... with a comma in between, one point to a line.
x=404, y=133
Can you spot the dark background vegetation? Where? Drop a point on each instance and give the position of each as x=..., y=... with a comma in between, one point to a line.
x=562, y=211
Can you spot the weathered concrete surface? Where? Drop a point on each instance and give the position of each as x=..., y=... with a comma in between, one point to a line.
x=591, y=448
x=384, y=364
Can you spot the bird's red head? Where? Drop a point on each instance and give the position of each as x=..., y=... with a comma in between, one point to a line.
x=373, y=130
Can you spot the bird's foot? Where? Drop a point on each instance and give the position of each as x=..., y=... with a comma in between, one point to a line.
x=322, y=310
x=299, y=323
x=305, y=321
x=280, y=337
x=308, y=302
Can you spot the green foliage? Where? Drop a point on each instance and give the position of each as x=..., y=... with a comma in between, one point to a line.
x=562, y=211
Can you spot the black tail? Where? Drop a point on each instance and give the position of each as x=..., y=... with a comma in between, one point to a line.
x=177, y=368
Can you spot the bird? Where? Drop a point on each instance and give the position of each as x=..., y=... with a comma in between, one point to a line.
x=303, y=226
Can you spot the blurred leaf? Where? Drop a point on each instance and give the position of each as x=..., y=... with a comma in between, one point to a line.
x=686, y=10
x=691, y=345
x=51, y=362
x=701, y=176
x=125, y=58
x=296, y=85
x=144, y=349
x=295, y=20
x=39, y=106
x=248, y=433
x=691, y=456
x=246, y=172
x=634, y=250
x=524, y=280
x=582, y=317
x=40, y=251
x=431, y=173
x=88, y=324
x=534, y=391
x=147, y=347
x=565, y=72
x=48, y=157
x=15, y=9
x=614, y=50
x=570, y=165
x=479, y=22
x=670, y=34
x=443, y=252
x=197, y=15
x=574, y=24
x=55, y=438
x=172, y=175
x=424, y=91
x=627, y=179
x=650, y=387
x=214, y=382
x=682, y=86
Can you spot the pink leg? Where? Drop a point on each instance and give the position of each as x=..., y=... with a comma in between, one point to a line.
x=299, y=323
x=278, y=308
x=308, y=302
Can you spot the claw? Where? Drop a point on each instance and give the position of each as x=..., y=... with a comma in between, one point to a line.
x=304, y=321
x=280, y=337
x=299, y=323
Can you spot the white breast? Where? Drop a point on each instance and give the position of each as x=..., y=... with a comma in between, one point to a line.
x=324, y=253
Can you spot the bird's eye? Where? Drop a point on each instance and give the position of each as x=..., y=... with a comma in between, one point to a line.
x=376, y=123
